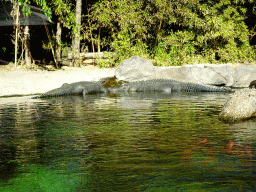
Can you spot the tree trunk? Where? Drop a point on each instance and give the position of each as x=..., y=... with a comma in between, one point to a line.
x=16, y=6
x=158, y=32
x=92, y=41
x=76, y=45
x=99, y=40
x=27, y=49
x=58, y=39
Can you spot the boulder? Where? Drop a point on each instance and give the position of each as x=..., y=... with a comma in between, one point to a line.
x=225, y=71
x=138, y=69
x=207, y=74
x=243, y=76
x=241, y=105
x=135, y=68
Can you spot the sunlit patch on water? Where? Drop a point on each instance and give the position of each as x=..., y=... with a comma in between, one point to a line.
x=135, y=142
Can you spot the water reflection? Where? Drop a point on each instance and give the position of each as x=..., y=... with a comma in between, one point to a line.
x=232, y=156
x=135, y=142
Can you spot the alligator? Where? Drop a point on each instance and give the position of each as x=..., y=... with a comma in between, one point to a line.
x=78, y=88
x=167, y=86
x=156, y=85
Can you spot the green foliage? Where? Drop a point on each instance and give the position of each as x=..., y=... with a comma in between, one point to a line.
x=160, y=55
x=64, y=10
x=176, y=32
x=209, y=32
x=26, y=10
x=42, y=3
x=175, y=49
x=107, y=61
x=122, y=21
x=49, y=43
x=3, y=49
x=168, y=32
x=125, y=46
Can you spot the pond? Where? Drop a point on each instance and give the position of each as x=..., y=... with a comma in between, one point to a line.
x=133, y=142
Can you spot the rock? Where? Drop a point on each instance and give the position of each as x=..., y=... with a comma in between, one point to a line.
x=243, y=76
x=241, y=105
x=135, y=68
x=226, y=72
x=207, y=74
x=204, y=73
x=138, y=69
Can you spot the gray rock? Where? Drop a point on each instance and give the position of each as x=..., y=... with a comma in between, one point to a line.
x=138, y=69
x=135, y=68
x=241, y=105
x=243, y=76
x=225, y=73
x=204, y=73
x=173, y=72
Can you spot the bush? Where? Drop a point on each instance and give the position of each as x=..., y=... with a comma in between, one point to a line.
x=177, y=33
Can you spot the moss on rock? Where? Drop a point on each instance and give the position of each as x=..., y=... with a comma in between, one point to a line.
x=111, y=82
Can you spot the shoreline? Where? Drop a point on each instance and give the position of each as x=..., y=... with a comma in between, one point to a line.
x=19, y=82
x=25, y=83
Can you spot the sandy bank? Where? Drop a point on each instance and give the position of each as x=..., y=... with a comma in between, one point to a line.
x=35, y=82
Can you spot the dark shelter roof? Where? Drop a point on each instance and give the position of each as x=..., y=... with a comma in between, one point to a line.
x=37, y=16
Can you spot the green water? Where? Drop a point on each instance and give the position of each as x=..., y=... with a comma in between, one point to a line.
x=135, y=142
